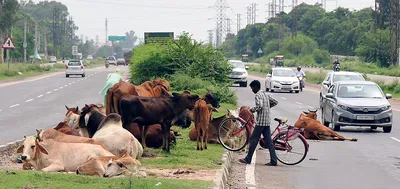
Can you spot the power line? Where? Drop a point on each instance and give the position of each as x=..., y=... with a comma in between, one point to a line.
x=146, y=6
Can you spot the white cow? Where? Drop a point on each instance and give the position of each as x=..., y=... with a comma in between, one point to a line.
x=117, y=139
x=53, y=156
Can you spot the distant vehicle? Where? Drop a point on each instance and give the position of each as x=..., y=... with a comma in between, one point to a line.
x=128, y=56
x=332, y=77
x=111, y=60
x=53, y=59
x=75, y=67
x=279, y=61
x=89, y=57
x=357, y=103
x=121, y=61
x=283, y=79
x=239, y=72
x=245, y=57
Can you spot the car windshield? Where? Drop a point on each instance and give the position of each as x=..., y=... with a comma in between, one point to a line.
x=348, y=78
x=74, y=63
x=237, y=64
x=284, y=73
x=359, y=91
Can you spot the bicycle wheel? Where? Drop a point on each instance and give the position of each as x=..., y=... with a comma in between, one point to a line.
x=233, y=134
x=290, y=152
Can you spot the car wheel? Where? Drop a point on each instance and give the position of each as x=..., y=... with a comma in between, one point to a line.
x=326, y=123
x=297, y=91
x=334, y=126
x=66, y=75
x=243, y=84
x=387, y=129
x=83, y=75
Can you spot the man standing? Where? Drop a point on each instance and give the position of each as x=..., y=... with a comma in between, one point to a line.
x=263, y=104
x=111, y=80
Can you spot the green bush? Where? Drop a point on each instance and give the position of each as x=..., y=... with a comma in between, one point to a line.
x=320, y=56
x=196, y=85
x=315, y=78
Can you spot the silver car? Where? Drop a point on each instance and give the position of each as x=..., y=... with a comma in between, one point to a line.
x=357, y=103
x=75, y=67
x=121, y=61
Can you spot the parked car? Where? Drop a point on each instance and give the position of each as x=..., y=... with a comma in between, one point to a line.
x=121, y=61
x=239, y=72
x=53, y=59
x=357, y=103
x=283, y=79
x=75, y=67
x=89, y=57
x=111, y=60
x=332, y=77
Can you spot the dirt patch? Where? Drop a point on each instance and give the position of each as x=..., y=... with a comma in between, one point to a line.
x=207, y=175
x=8, y=160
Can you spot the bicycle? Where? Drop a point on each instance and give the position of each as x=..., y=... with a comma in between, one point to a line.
x=282, y=140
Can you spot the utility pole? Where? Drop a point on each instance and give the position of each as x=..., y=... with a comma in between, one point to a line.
x=248, y=15
x=254, y=12
x=45, y=44
x=36, y=36
x=106, y=32
x=24, y=45
x=323, y=4
x=220, y=6
x=97, y=42
x=228, y=25
x=378, y=14
x=1, y=33
x=238, y=22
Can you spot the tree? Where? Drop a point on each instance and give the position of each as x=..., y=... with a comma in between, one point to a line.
x=8, y=10
x=375, y=47
x=130, y=41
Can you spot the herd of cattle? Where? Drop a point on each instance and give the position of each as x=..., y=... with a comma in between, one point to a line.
x=108, y=140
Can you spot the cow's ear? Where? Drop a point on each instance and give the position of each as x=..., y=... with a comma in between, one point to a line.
x=76, y=109
x=41, y=148
x=66, y=107
x=20, y=149
x=87, y=106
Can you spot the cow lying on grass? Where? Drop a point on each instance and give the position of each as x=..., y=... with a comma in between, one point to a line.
x=111, y=166
x=53, y=156
x=314, y=129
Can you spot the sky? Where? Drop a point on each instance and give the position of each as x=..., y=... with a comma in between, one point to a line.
x=193, y=16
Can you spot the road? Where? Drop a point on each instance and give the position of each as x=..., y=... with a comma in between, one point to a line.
x=39, y=104
x=371, y=162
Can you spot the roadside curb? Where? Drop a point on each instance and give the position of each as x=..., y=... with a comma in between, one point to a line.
x=221, y=179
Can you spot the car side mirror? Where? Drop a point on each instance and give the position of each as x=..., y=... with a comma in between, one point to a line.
x=389, y=96
x=246, y=67
x=325, y=83
x=268, y=75
x=329, y=95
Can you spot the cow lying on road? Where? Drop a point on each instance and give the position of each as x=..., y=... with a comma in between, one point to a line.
x=53, y=156
x=314, y=129
x=111, y=166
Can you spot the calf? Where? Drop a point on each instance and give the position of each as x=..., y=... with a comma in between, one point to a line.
x=61, y=137
x=202, y=117
x=53, y=156
x=110, y=166
x=66, y=129
x=151, y=110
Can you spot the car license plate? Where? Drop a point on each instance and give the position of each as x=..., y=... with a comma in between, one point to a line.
x=286, y=87
x=365, y=118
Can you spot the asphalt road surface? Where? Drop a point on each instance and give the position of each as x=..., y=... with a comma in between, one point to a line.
x=370, y=163
x=40, y=104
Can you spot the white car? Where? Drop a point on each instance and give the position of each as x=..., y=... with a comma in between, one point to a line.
x=111, y=60
x=239, y=72
x=282, y=79
x=89, y=57
x=75, y=67
x=333, y=77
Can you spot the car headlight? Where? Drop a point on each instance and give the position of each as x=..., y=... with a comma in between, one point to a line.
x=275, y=81
x=386, y=107
x=343, y=107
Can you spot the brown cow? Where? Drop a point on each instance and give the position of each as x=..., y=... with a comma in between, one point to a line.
x=66, y=129
x=247, y=115
x=314, y=129
x=150, y=110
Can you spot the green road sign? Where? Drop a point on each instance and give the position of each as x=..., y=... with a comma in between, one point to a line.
x=116, y=38
x=158, y=37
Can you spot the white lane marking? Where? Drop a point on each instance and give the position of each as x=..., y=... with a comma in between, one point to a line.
x=299, y=103
x=61, y=87
x=15, y=105
x=250, y=172
x=283, y=98
x=65, y=85
x=29, y=100
x=39, y=96
x=55, y=89
x=73, y=82
x=398, y=140
x=69, y=83
x=48, y=92
x=1, y=110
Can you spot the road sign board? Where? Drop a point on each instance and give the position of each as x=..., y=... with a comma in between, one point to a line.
x=8, y=44
x=158, y=37
x=259, y=51
x=74, y=50
x=116, y=38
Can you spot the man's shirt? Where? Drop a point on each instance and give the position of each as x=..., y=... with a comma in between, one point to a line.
x=300, y=73
x=263, y=104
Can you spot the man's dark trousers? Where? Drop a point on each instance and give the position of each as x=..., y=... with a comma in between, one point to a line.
x=255, y=138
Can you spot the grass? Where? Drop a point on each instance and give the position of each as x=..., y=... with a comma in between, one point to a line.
x=34, y=179
x=261, y=69
x=29, y=70
x=185, y=155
